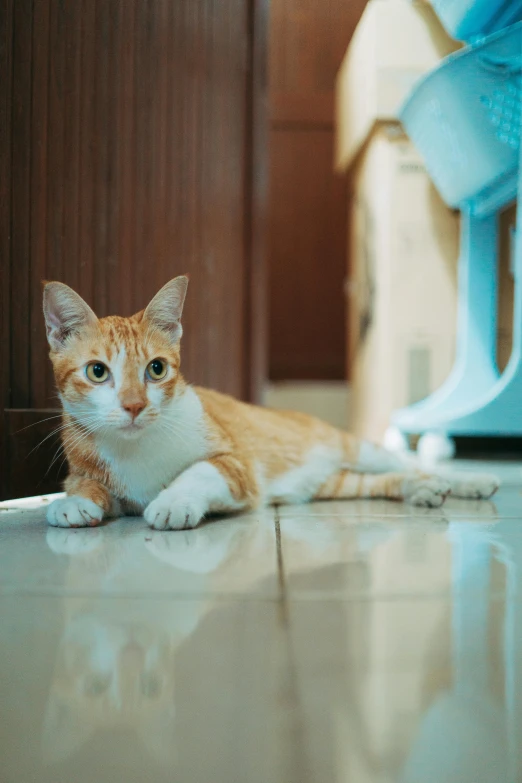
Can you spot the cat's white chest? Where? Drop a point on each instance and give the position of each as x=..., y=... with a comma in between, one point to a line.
x=151, y=468
x=142, y=468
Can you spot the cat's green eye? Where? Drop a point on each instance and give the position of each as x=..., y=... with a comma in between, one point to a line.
x=97, y=372
x=157, y=369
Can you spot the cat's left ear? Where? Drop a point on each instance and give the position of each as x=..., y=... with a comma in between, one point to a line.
x=65, y=313
x=165, y=310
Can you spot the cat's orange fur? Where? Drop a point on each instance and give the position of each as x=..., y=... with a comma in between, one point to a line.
x=178, y=453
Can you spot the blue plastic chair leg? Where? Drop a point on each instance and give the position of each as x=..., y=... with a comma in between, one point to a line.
x=499, y=411
x=475, y=370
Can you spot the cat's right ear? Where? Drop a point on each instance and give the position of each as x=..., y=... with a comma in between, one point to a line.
x=65, y=313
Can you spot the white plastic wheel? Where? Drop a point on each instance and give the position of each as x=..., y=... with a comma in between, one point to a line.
x=394, y=440
x=435, y=447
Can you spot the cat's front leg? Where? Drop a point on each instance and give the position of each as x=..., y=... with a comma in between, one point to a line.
x=217, y=485
x=85, y=505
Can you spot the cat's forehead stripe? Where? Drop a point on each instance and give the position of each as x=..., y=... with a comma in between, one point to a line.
x=120, y=329
x=123, y=335
x=137, y=341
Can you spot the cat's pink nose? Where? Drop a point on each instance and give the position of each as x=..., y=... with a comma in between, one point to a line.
x=134, y=408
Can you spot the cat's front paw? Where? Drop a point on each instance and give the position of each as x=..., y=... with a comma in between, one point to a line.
x=74, y=511
x=168, y=512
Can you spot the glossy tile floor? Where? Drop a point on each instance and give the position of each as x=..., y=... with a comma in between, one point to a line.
x=358, y=642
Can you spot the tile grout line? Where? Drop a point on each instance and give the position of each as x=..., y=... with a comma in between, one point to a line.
x=279, y=555
x=297, y=727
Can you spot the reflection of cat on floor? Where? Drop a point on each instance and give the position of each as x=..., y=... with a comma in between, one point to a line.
x=116, y=662
x=112, y=676
x=115, y=665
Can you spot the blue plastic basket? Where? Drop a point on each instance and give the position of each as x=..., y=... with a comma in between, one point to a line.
x=467, y=20
x=464, y=117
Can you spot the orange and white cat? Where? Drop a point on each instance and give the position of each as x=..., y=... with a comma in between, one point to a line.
x=139, y=439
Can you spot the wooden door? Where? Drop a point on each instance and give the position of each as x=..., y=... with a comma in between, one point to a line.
x=308, y=208
x=131, y=150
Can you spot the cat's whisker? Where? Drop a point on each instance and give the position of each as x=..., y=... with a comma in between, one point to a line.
x=175, y=431
x=61, y=449
x=58, y=453
x=74, y=443
x=40, y=421
x=61, y=428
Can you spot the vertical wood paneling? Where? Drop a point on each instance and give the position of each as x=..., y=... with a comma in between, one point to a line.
x=139, y=156
x=111, y=196
x=54, y=269
x=39, y=363
x=100, y=138
x=257, y=157
x=126, y=174
x=86, y=251
x=71, y=147
x=161, y=139
x=20, y=202
x=6, y=69
x=130, y=128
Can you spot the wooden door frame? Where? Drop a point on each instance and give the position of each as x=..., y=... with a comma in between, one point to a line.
x=257, y=157
x=6, y=62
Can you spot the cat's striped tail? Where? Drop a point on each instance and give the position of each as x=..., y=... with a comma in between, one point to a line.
x=374, y=461
x=361, y=456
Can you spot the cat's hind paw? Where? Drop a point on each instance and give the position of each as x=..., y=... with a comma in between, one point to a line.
x=168, y=512
x=474, y=486
x=429, y=492
x=74, y=511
